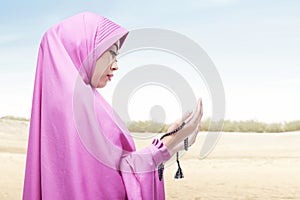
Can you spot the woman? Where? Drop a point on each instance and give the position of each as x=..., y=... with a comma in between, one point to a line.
x=78, y=146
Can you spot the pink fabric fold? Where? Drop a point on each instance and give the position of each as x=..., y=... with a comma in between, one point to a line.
x=78, y=146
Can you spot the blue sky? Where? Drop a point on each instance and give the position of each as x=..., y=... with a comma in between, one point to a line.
x=255, y=46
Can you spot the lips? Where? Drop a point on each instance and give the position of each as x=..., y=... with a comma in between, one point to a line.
x=109, y=76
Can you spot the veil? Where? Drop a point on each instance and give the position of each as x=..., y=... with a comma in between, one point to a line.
x=78, y=146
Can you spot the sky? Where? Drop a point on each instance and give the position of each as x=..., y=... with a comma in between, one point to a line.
x=254, y=45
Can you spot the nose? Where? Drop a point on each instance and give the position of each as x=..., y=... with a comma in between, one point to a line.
x=114, y=66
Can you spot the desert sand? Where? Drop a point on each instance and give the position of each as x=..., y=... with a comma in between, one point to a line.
x=241, y=166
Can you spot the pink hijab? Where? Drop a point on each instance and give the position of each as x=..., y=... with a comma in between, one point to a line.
x=78, y=147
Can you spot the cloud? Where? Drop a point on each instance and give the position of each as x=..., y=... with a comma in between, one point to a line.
x=210, y=3
x=222, y=2
x=4, y=39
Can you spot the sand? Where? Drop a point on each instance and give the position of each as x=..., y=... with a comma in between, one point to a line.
x=13, y=145
x=241, y=166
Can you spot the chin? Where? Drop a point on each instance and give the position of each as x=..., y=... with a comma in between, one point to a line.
x=101, y=85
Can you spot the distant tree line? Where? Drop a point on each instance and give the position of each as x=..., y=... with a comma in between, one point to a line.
x=207, y=125
x=228, y=126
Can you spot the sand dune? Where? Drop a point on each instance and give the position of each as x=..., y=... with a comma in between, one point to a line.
x=242, y=166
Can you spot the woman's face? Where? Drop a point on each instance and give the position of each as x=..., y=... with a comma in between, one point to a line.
x=105, y=65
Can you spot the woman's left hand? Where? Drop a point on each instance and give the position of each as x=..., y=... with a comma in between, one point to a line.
x=191, y=138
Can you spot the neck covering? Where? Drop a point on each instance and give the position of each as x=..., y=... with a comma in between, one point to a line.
x=78, y=146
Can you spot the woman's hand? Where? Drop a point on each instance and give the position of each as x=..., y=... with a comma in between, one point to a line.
x=174, y=142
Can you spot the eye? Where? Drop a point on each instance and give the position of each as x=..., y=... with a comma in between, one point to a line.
x=114, y=54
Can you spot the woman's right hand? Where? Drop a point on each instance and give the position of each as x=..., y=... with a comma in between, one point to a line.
x=174, y=142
